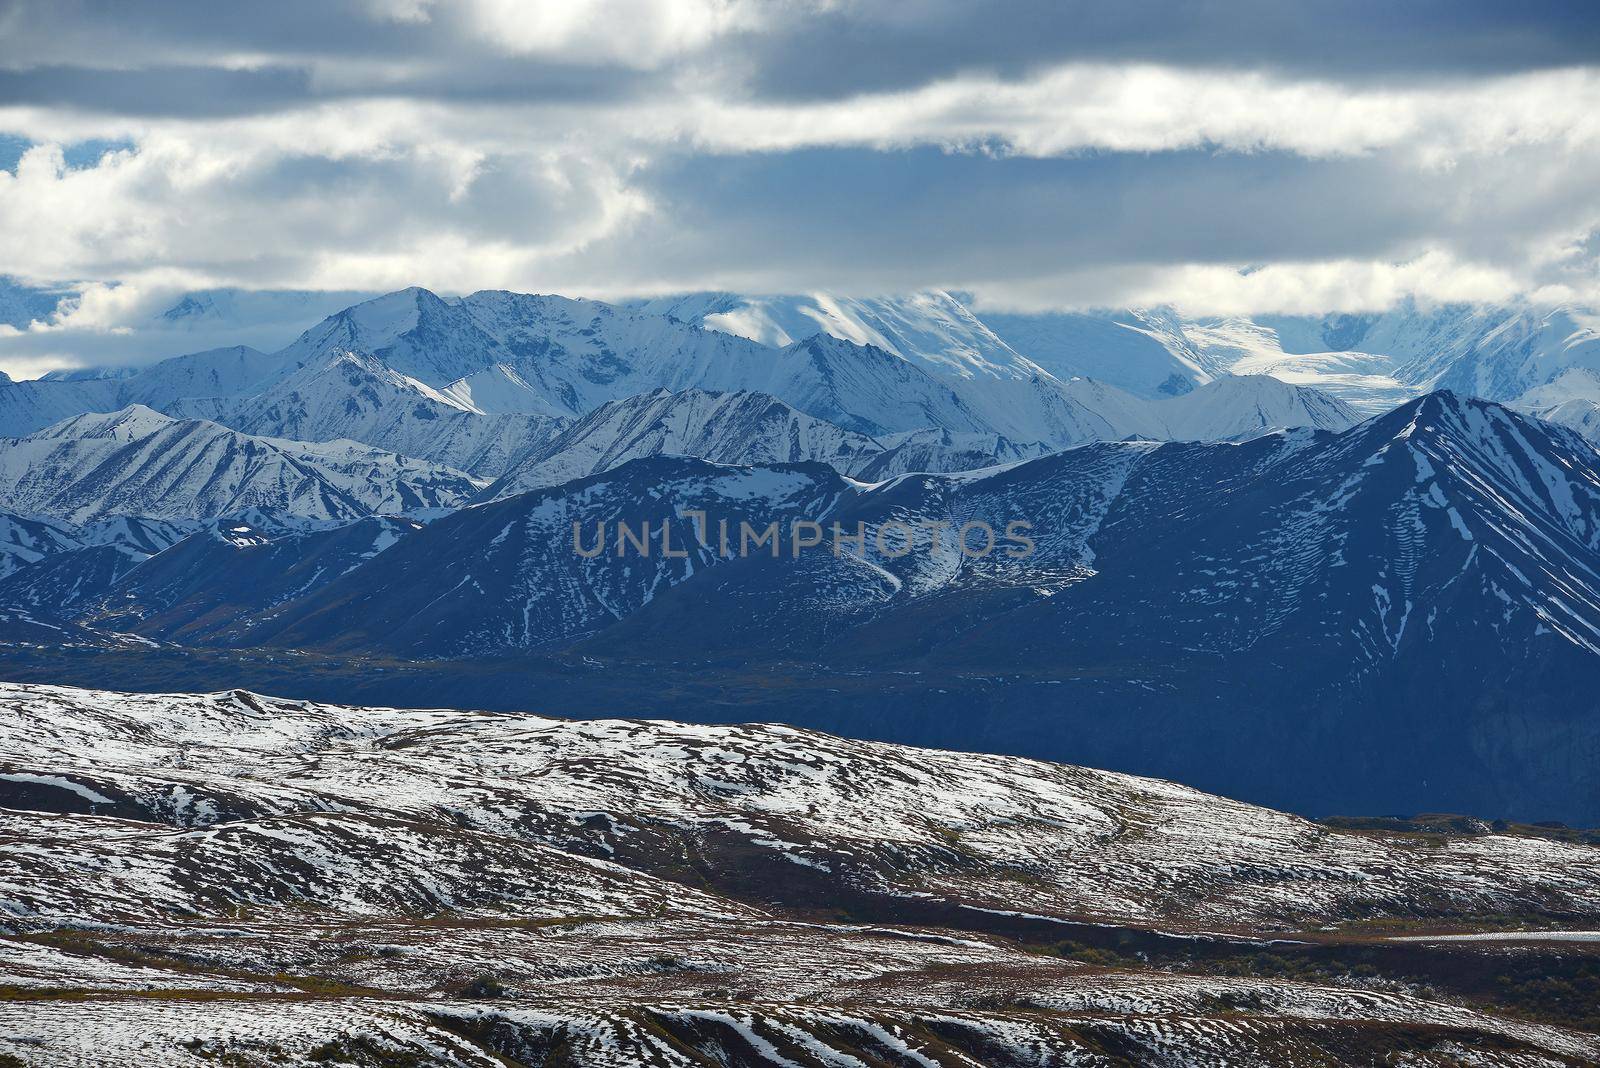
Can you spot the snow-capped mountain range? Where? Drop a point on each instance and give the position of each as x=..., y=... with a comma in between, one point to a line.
x=497, y=353
x=755, y=428
x=482, y=382
x=733, y=428
x=26, y=540
x=138, y=462
x=1373, y=361
x=358, y=397
x=492, y=384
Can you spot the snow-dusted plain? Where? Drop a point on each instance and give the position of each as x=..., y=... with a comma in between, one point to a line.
x=238, y=879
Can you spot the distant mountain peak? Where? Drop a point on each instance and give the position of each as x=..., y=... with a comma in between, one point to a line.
x=822, y=343
x=125, y=423
x=740, y=426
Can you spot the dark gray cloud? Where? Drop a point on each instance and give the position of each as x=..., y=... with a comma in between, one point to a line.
x=187, y=90
x=171, y=57
x=206, y=60
x=873, y=221
x=898, y=45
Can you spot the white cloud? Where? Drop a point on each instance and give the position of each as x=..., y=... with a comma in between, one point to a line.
x=1486, y=185
x=335, y=201
x=1289, y=288
x=1144, y=108
x=634, y=33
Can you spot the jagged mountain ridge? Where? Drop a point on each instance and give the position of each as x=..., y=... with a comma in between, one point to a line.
x=138, y=462
x=1496, y=352
x=943, y=451
x=482, y=381
x=1012, y=395
x=754, y=428
x=348, y=395
x=508, y=574
x=1434, y=567
x=28, y=539
x=1144, y=351
x=1373, y=361
x=1137, y=352
x=561, y=357
x=736, y=428
x=1075, y=497
x=931, y=328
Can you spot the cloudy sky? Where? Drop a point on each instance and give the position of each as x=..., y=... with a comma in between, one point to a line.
x=1225, y=157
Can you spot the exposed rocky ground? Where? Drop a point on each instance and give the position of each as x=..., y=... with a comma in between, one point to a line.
x=233, y=879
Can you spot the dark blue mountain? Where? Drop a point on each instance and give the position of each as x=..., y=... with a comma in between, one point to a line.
x=1403, y=616
x=507, y=576
x=224, y=583
x=1406, y=615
